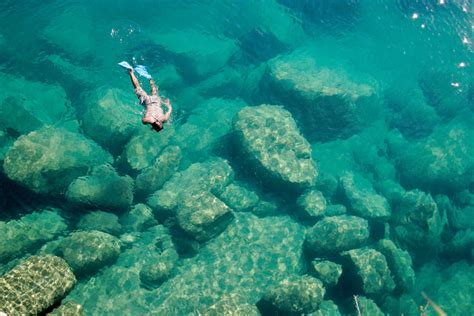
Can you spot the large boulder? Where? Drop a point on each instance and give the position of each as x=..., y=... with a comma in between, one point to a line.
x=296, y=295
x=47, y=160
x=103, y=188
x=110, y=118
x=30, y=231
x=212, y=176
x=312, y=204
x=269, y=138
x=203, y=215
x=329, y=102
x=362, y=198
x=332, y=235
x=238, y=197
x=368, y=270
x=34, y=285
x=86, y=252
x=151, y=179
x=144, y=147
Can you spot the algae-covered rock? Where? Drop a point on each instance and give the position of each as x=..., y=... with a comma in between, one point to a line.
x=152, y=178
x=203, y=215
x=443, y=162
x=336, y=234
x=268, y=136
x=327, y=308
x=110, y=118
x=212, y=176
x=368, y=307
x=34, y=285
x=238, y=197
x=102, y=221
x=329, y=102
x=138, y=218
x=369, y=271
x=326, y=271
x=363, y=199
x=47, y=160
x=418, y=223
x=296, y=294
x=231, y=304
x=30, y=231
x=312, y=204
x=102, y=187
x=400, y=264
x=68, y=309
x=87, y=252
x=143, y=148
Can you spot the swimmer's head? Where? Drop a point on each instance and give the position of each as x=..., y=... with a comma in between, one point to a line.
x=157, y=126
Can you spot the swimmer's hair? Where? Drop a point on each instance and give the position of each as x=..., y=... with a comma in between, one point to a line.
x=157, y=127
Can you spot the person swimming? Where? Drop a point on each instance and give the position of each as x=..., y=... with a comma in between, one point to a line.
x=154, y=114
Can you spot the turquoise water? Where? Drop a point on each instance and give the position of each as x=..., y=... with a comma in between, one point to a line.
x=367, y=166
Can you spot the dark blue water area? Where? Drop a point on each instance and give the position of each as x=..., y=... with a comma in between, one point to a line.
x=319, y=154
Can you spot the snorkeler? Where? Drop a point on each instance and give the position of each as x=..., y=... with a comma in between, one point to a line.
x=153, y=112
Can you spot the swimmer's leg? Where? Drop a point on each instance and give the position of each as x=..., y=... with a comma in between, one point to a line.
x=154, y=88
x=134, y=79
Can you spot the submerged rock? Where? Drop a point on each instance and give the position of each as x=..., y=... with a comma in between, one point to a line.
x=332, y=235
x=369, y=270
x=101, y=221
x=152, y=178
x=418, y=223
x=443, y=162
x=212, y=176
x=400, y=264
x=239, y=198
x=110, y=118
x=199, y=53
x=23, y=109
x=34, y=285
x=202, y=215
x=329, y=102
x=143, y=149
x=368, y=307
x=30, y=231
x=269, y=138
x=47, y=160
x=296, y=294
x=312, y=204
x=87, y=252
x=327, y=271
x=102, y=187
x=362, y=198
x=140, y=217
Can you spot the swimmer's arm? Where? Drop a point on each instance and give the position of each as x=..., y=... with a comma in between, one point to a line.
x=170, y=109
x=134, y=79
